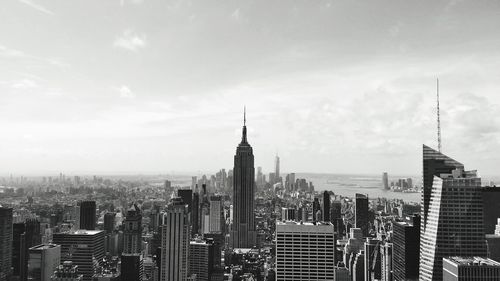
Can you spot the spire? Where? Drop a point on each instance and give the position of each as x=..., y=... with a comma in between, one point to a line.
x=244, y=135
x=438, y=117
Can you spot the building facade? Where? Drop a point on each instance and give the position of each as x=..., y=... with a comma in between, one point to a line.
x=43, y=261
x=470, y=269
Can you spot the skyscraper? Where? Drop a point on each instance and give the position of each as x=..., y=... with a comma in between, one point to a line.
x=470, y=269
x=201, y=259
x=326, y=206
x=43, y=261
x=216, y=214
x=175, y=242
x=195, y=212
x=5, y=243
x=132, y=267
x=361, y=213
x=304, y=251
x=454, y=224
x=25, y=235
x=406, y=244
x=109, y=222
x=132, y=231
x=276, y=169
x=187, y=197
x=491, y=207
x=243, y=234
x=385, y=180
x=434, y=164
x=82, y=247
x=87, y=215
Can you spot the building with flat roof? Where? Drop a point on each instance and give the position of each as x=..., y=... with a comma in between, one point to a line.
x=43, y=261
x=470, y=269
x=305, y=251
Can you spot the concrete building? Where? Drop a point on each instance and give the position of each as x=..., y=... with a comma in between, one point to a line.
x=201, y=259
x=132, y=267
x=304, y=251
x=132, y=231
x=361, y=213
x=216, y=214
x=43, y=261
x=5, y=243
x=470, y=269
x=406, y=247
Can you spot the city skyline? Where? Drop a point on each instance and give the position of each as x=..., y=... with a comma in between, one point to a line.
x=322, y=81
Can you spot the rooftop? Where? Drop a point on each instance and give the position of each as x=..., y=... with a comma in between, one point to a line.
x=473, y=261
x=44, y=246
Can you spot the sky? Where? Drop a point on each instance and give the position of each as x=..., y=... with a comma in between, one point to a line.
x=159, y=86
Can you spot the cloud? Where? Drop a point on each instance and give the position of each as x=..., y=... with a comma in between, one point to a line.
x=131, y=41
x=10, y=53
x=125, y=92
x=236, y=14
x=37, y=7
x=24, y=84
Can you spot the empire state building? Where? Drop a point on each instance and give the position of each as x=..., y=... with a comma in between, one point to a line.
x=243, y=234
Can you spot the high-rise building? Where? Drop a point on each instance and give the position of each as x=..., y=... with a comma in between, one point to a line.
x=175, y=242
x=109, y=222
x=132, y=268
x=25, y=235
x=385, y=180
x=132, y=231
x=276, y=169
x=326, y=206
x=372, y=261
x=43, y=261
x=434, y=164
x=454, y=224
x=406, y=244
x=243, y=234
x=491, y=207
x=358, y=267
x=386, y=258
x=187, y=197
x=87, y=215
x=195, y=213
x=316, y=210
x=470, y=269
x=361, y=213
x=201, y=259
x=67, y=272
x=5, y=243
x=82, y=247
x=216, y=214
x=304, y=251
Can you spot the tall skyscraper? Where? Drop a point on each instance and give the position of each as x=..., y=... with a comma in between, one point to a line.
x=25, y=235
x=87, y=215
x=326, y=206
x=43, y=261
x=109, y=222
x=304, y=251
x=372, y=261
x=5, y=243
x=175, y=242
x=470, y=269
x=195, y=213
x=187, y=197
x=406, y=247
x=276, y=169
x=434, y=164
x=491, y=207
x=243, y=234
x=385, y=180
x=132, y=231
x=454, y=224
x=83, y=248
x=361, y=213
x=216, y=214
x=201, y=259
x=132, y=267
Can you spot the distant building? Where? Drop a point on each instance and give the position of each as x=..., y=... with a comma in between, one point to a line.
x=132, y=231
x=305, y=251
x=175, y=242
x=67, y=272
x=87, y=215
x=454, y=225
x=43, y=261
x=326, y=206
x=83, y=248
x=109, y=222
x=470, y=269
x=406, y=246
x=385, y=180
x=5, y=243
x=195, y=213
x=187, y=197
x=216, y=214
x=276, y=169
x=361, y=213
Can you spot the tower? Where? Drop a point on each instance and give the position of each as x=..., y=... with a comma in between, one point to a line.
x=326, y=206
x=361, y=213
x=243, y=233
x=5, y=243
x=276, y=169
x=132, y=231
x=87, y=215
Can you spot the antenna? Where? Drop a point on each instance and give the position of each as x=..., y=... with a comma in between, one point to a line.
x=438, y=117
x=244, y=115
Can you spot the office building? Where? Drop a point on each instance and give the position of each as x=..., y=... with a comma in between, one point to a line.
x=326, y=206
x=316, y=210
x=434, y=164
x=406, y=247
x=216, y=214
x=385, y=180
x=243, y=234
x=372, y=261
x=5, y=243
x=386, y=259
x=358, y=267
x=109, y=222
x=175, y=242
x=201, y=259
x=455, y=222
x=187, y=197
x=25, y=235
x=277, y=177
x=81, y=247
x=87, y=215
x=132, y=267
x=470, y=269
x=361, y=213
x=195, y=214
x=341, y=273
x=132, y=231
x=491, y=207
x=304, y=251
x=43, y=261
x=67, y=272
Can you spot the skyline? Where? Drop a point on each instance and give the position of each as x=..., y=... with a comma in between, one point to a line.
x=331, y=87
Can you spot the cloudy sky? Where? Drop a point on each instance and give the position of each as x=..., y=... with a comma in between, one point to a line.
x=331, y=86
